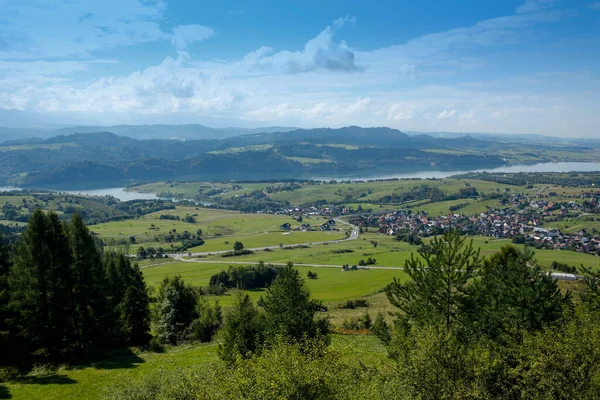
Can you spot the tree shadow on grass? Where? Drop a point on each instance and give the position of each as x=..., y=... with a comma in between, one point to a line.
x=52, y=379
x=119, y=359
x=4, y=392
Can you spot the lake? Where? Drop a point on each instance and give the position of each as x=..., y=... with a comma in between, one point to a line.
x=541, y=167
x=123, y=195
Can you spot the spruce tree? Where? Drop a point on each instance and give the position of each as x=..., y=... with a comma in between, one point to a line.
x=289, y=310
x=41, y=285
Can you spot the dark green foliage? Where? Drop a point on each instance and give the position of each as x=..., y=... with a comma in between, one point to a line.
x=352, y=304
x=6, y=339
x=128, y=302
x=208, y=322
x=243, y=330
x=311, y=275
x=175, y=310
x=246, y=277
x=41, y=288
x=563, y=267
x=289, y=310
x=237, y=246
x=381, y=329
x=511, y=295
x=439, y=281
x=89, y=283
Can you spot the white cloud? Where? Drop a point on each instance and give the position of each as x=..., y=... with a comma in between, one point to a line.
x=319, y=53
x=446, y=114
x=67, y=28
x=185, y=35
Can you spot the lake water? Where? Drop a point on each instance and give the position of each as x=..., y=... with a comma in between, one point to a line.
x=541, y=167
x=118, y=193
x=123, y=195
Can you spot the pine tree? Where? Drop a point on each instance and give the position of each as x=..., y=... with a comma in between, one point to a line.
x=41, y=284
x=438, y=281
x=289, y=310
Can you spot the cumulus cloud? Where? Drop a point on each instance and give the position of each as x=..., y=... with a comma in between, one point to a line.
x=446, y=114
x=319, y=53
x=185, y=35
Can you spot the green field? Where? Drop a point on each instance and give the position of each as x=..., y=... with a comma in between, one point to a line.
x=221, y=229
x=332, y=284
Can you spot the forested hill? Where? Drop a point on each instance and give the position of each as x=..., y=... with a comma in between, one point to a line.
x=93, y=159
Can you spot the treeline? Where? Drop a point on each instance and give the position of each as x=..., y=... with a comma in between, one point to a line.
x=573, y=179
x=256, y=276
x=61, y=299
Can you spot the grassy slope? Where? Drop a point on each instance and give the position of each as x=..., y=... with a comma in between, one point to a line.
x=89, y=382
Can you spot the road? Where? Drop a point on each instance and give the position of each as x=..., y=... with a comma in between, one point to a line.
x=353, y=236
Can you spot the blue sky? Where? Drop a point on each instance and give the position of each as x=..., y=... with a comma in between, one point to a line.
x=529, y=66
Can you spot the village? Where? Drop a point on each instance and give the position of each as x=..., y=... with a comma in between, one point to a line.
x=521, y=219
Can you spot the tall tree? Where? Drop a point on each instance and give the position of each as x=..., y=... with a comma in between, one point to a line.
x=243, y=330
x=89, y=298
x=289, y=310
x=175, y=310
x=438, y=282
x=511, y=294
x=128, y=319
x=41, y=284
x=5, y=334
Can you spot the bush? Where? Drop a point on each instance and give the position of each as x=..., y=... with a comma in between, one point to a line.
x=352, y=304
x=155, y=346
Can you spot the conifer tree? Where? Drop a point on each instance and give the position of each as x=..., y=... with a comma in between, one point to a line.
x=175, y=310
x=289, y=310
x=243, y=330
x=439, y=278
x=41, y=285
x=89, y=296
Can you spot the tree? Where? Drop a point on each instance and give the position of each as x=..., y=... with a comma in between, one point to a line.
x=289, y=310
x=238, y=246
x=6, y=347
x=242, y=331
x=512, y=294
x=128, y=320
x=89, y=284
x=175, y=310
x=439, y=280
x=207, y=323
x=41, y=287
x=311, y=275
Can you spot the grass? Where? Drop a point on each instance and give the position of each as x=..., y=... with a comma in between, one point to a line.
x=218, y=226
x=89, y=382
x=332, y=284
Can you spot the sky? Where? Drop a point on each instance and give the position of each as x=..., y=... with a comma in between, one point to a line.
x=498, y=66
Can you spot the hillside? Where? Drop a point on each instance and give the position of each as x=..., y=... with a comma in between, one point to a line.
x=107, y=158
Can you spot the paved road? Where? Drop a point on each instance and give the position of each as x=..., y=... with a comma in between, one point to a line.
x=353, y=236
x=272, y=263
